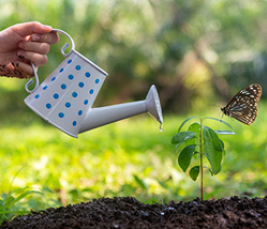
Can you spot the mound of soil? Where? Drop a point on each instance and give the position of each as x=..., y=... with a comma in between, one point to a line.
x=127, y=212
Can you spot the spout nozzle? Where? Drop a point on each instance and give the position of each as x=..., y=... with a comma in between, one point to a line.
x=153, y=104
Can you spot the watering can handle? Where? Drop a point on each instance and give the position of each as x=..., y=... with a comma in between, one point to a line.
x=64, y=47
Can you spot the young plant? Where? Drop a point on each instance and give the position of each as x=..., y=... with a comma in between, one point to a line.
x=10, y=203
x=201, y=141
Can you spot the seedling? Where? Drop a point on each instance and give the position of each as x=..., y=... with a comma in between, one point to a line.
x=201, y=141
x=10, y=202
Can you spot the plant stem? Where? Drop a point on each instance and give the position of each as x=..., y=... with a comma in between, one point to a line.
x=201, y=159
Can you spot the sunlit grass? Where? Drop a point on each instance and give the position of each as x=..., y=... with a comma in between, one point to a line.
x=127, y=158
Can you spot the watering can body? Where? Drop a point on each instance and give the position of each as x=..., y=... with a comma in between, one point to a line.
x=66, y=96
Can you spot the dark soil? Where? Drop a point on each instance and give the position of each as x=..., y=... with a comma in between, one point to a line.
x=129, y=213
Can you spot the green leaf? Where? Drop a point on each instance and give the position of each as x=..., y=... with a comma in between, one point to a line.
x=195, y=155
x=14, y=212
x=21, y=196
x=163, y=184
x=210, y=135
x=218, y=170
x=194, y=173
x=224, y=153
x=213, y=149
x=185, y=156
x=185, y=121
x=140, y=182
x=222, y=144
x=221, y=121
x=224, y=132
x=10, y=201
x=211, y=173
x=193, y=128
x=182, y=137
x=215, y=171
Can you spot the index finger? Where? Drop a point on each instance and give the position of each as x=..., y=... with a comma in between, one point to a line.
x=28, y=28
x=50, y=38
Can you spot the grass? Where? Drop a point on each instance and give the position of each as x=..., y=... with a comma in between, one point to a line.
x=128, y=158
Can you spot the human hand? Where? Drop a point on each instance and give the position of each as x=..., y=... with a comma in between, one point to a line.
x=23, y=44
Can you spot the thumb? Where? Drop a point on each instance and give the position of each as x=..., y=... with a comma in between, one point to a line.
x=28, y=28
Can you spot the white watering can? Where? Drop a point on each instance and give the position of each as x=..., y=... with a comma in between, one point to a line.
x=65, y=97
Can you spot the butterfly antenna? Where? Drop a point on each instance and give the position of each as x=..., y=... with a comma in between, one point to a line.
x=212, y=105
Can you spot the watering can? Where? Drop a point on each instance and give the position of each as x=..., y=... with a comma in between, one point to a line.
x=66, y=96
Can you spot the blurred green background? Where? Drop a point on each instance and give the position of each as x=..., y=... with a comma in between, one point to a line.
x=197, y=53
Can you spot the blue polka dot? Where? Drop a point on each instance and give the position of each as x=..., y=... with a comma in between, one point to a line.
x=78, y=67
x=91, y=91
x=71, y=77
x=69, y=61
x=67, y=104
x=53, y=78
x=74, y=123
x=61, y=115
x=81, y=84
x=48, y=105
x=74, y=94
x=37, y=96
x=87, y=74
x=61, y=70
x=80, y=112
x=56, y=96
x=45, y=87
x=63, y=86
x=97, y=81
x=85, y=102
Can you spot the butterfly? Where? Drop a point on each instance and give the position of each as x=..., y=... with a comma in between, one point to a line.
x=243, y=106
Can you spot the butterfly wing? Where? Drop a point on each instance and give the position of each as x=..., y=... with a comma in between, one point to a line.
x=243, y=106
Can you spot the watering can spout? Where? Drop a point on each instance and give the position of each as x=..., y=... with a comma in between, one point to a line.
x=104, y=115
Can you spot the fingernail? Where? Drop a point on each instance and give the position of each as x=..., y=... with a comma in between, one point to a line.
x=35, y=37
